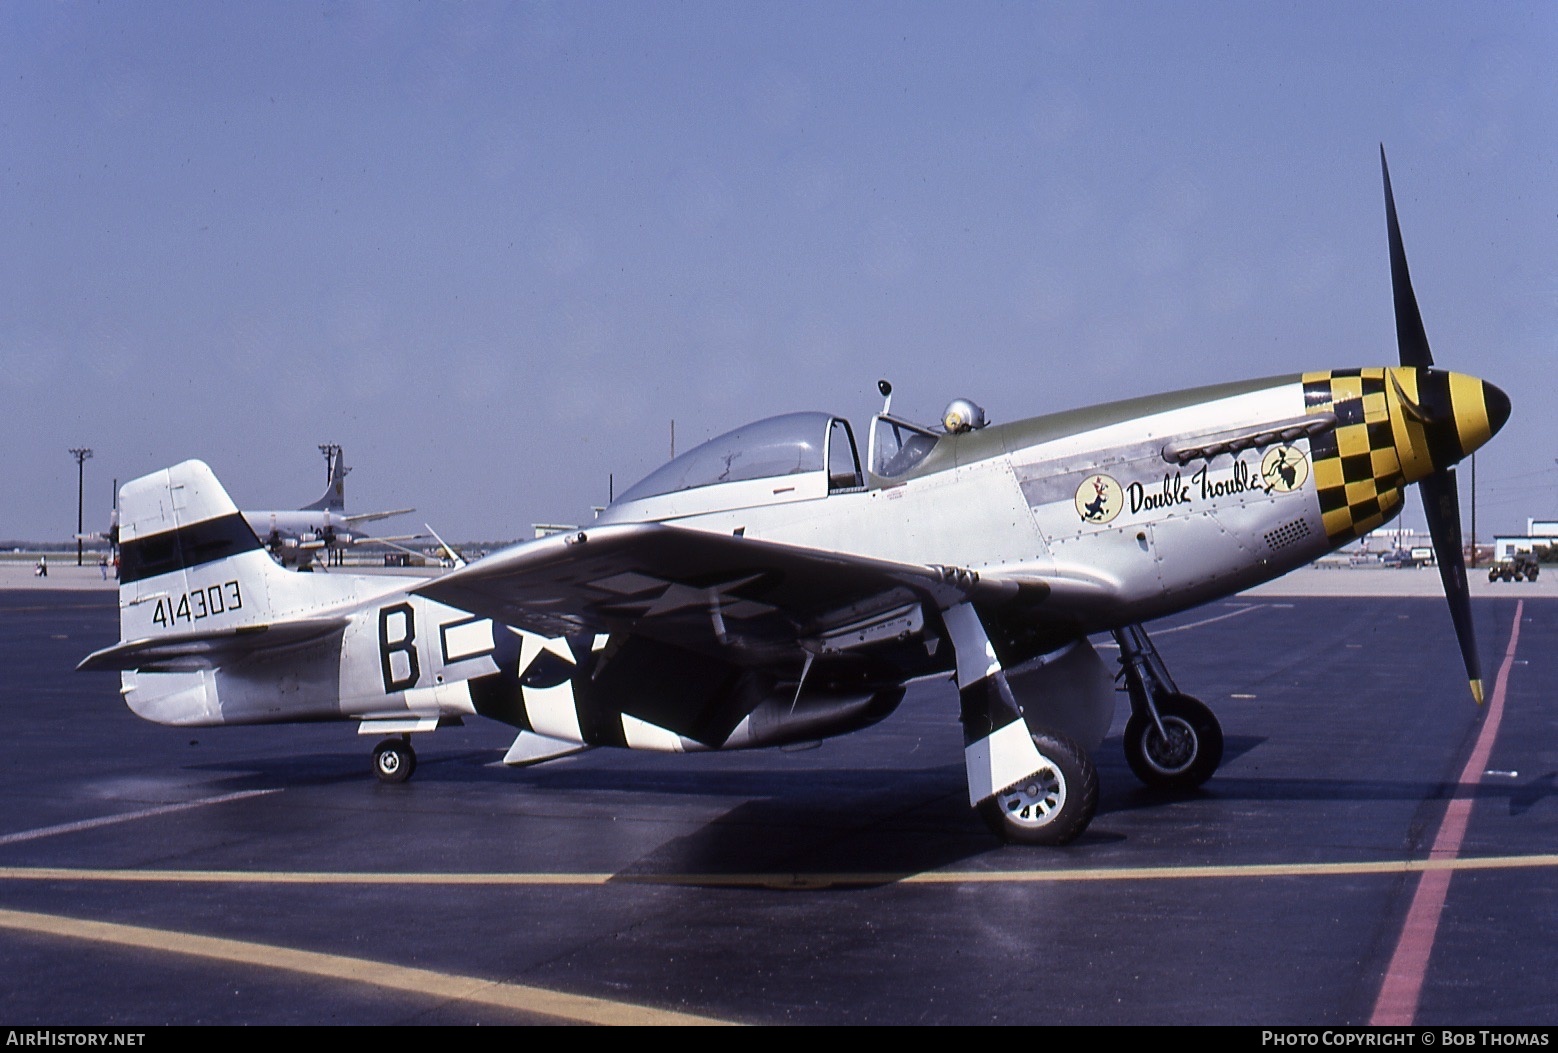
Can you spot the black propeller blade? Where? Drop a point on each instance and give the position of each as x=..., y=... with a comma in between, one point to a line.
x=1443, y=506
x=1410, y=337
x=1441, y=502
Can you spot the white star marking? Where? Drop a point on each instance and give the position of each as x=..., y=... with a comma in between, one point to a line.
x=679, y=597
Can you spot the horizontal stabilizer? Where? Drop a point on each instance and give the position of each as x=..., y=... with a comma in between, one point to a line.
x=188, y=652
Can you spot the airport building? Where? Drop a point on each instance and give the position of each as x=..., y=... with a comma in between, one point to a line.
x=1540, y=533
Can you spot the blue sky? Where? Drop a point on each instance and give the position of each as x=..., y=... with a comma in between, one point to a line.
x=495, y=249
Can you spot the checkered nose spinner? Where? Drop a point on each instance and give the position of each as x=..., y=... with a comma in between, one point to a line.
x=1438, y=418
x=1393, y=427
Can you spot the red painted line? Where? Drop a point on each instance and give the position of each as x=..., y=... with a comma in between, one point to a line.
x=1398, y=996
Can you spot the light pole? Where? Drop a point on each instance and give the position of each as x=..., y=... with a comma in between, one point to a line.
x=1474, y=509
x=331, y=451
x=81, y=453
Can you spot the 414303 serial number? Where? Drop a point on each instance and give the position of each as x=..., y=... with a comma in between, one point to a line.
x=198, y=605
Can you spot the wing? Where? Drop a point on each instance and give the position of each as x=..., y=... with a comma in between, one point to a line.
x=392, y=540
x=750, y=602
x=374, y=517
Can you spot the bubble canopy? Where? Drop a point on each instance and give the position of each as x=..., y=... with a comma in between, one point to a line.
x=789, y=444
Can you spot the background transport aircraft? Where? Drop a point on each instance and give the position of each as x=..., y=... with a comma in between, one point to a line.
x=322, y=530
x=771, y=587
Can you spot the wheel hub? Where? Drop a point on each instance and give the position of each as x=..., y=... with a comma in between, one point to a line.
x=1037, y=799
x=1174, y=750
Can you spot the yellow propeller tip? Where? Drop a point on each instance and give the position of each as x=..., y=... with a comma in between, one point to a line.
x=1476, y=691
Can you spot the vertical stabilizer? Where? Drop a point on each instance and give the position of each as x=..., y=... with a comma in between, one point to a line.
x=204, y=612
x=334, y=498
x=189, y=562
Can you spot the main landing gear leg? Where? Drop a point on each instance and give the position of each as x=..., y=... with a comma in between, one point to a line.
x=1030, y=785
x=1172, y=741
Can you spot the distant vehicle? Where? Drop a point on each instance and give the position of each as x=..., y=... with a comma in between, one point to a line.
x=1523, y=566
x=1407, y=558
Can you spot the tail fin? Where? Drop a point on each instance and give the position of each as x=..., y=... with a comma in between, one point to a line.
x=197, y=591
x=334, y=498
x=188, y=561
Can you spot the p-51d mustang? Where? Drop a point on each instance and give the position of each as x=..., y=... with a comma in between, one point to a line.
x=769, y=587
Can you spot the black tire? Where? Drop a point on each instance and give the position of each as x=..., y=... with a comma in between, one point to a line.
x=394, y=760
x=1192, y=752
x=1052, y=806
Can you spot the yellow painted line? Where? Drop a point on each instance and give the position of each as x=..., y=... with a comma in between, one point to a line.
x=1257, y=870
x=422, y=982
x=300, y=877
x=781, y=880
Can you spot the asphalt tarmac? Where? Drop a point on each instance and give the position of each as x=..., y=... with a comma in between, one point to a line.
x=1356, y=859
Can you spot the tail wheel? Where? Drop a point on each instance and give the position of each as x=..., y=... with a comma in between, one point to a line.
x=1182, y=756
x=1051, y=806
x=394, y=760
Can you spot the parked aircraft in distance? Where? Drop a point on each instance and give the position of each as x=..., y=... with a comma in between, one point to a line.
x=771, y=586
x=322, y=530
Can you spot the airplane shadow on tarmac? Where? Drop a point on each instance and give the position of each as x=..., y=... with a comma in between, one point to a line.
x=840, y=826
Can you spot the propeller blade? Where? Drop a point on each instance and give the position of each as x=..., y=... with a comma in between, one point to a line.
x=1443, y=507
x=1436, y=411
x=459, y=560
x=1411, y=340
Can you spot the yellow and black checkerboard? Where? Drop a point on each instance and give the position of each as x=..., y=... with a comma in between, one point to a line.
x=1357, y=471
